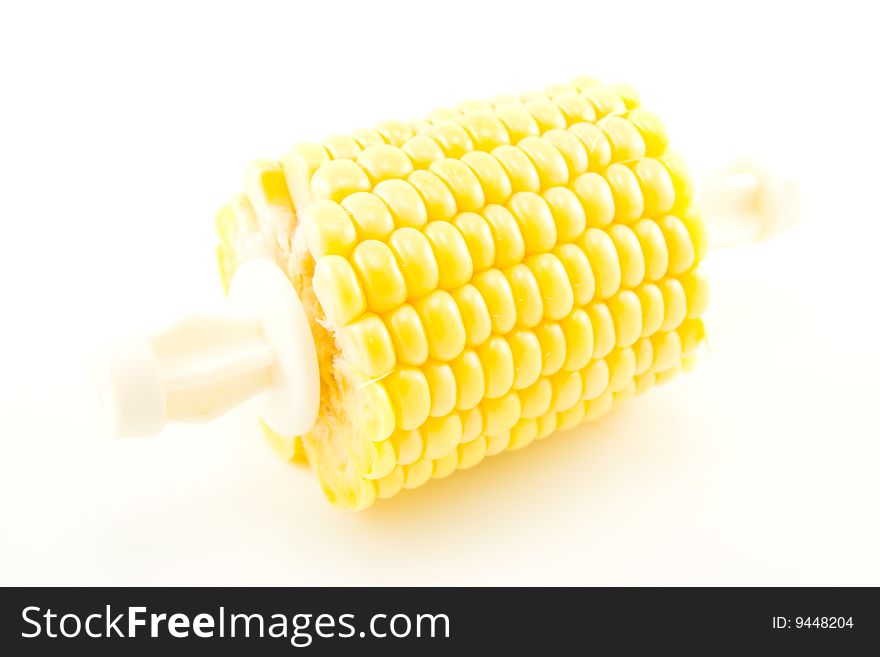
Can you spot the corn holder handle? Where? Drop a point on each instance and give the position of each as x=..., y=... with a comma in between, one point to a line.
x=262, y=348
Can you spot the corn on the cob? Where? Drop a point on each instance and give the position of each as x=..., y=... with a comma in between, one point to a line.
x=478, y=279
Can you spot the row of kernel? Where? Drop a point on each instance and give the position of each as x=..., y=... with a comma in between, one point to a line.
x=381, y=276
x=442, y=325
x=556, y=157
x=515, y=364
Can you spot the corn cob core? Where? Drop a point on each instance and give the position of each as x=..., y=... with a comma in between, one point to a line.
x=479, y=279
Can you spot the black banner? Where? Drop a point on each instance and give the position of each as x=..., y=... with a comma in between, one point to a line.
x=107, y=621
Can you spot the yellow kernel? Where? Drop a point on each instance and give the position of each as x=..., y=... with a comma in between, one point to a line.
x=518, y=121
x=578, y=332
x=441, y=435
x=653, y=245
x=596, y=143
x=478, y=237
x=568, y=213
x=471, y=424
x=594, y=193
x=418, y=473
x=379, y=461
x=408, y=446
x=644, y=382
x=535, y=221
x=651, y=129
x=667, y=350
x=681, y=181
x=596, y=408
x=445, y=465
x=678, y=244
x=696, y=291
x=656, y=186
x=338, y=289
x=629, y=253
x=627, y=314
x=366, y=345
x=439, y=201
x=579, y=271
x=546, y=424
x=443, y=326
x=370, y=215
x=394, y=132
x=454, y=262
x=342, y=147
x=523, y=434
x=628, y=201
x=692, y=220
x=367, y=137
x=493, y=179
x=410, y=396
x=536, y=399
x=452, y=138
x=422, y=150
x=527, y=360
x=574, y=107
x=299, y=165
x=383, y=283
x=337, y=179
x=667, y=374
x=328, y=229
x=500, y=414
x=497, y=360
x=622, y=368
x=443, y=387
x=470, y=380
x=417, y=263
x=391, y=484
x=407, y=334
x=627, y=392
x=376, y=414
x=549, y=162
x=596, y=377
x=603, y=329
x=600, y=251
x=509, y=245
x=406, y=206
x=462, y=182
x=571, y=418
x=552, y=341
x=653, y=308
x=572, y=150
x=520, y=171
x=496, y=292
x=474, y=314
x=545, y=113
x=674, y=303
x=692, y=333
x=497, y=444
x=627, y=94
x=485, y=130
x=567, y=388
x=383, y=161
x=472, y=453
x=605, y=100
x=644, y=351
x=626, y=141
x=526, y=295
x=556, y=292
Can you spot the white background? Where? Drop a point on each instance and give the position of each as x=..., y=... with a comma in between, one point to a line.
x=122, y=130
